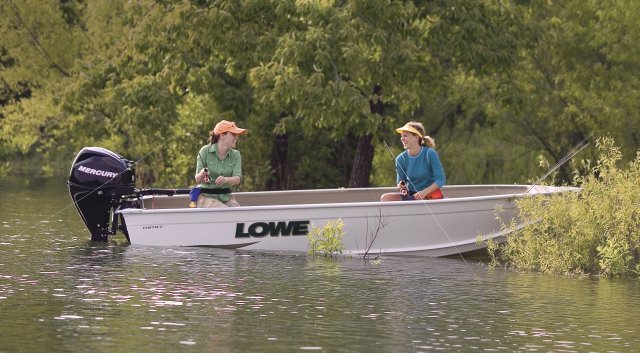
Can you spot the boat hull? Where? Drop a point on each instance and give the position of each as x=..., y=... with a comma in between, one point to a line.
x=445, y=227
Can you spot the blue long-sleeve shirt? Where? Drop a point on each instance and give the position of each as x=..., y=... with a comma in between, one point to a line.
x=420, y=171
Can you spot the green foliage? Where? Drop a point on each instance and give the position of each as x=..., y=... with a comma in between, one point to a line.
x=595, y=231
x=574, y=81
x=384, y=166
x=327, y=240
x=5, y=170
x=326, y=64
x=479, y=35
x=495, y=83
x=40, y=46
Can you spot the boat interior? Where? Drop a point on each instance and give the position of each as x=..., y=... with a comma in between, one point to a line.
x=326, y=196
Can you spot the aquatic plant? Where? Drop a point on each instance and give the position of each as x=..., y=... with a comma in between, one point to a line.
x=374, y=232
x=595, y=231
x=326, y=240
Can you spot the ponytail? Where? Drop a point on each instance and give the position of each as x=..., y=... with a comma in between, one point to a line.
x=213, y=137
x=425, y=140
x=428, y=141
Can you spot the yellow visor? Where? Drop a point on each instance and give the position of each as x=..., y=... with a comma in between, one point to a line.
x=408, y=128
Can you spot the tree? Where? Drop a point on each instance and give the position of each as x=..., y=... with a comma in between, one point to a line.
x=575, y=81
x=327, y=63
x=39, y=47
x=494, y=82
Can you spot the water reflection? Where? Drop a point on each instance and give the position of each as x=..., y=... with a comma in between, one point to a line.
x=573, y=313
x=60, y=292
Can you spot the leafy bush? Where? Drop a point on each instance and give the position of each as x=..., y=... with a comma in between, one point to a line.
x=596, y=231
x=327, y=240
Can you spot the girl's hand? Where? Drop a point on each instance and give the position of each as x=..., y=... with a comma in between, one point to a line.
x=205, y=174
x=221, y=180
x=402, y=186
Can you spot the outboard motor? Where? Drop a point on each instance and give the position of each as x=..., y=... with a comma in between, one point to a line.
x=100, y=183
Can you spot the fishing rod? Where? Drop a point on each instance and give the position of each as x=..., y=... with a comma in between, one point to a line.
x=583, y=144
x=577, y=149
x=170, y=192
x=403, y=191
x=444, y=231
x=425, y=203
x=194, y=194
x=567, y=157
x=207, y=178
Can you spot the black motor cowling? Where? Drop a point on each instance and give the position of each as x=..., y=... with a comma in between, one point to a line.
x=100, y=182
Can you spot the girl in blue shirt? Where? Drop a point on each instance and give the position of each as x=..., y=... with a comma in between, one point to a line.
x=419, y=171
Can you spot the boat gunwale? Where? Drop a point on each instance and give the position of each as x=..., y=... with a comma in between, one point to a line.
x=554, y=190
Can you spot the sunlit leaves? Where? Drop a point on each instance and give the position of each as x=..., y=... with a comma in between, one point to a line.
x=591, y=232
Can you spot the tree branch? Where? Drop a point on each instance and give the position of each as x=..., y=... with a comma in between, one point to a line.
x=36, y=43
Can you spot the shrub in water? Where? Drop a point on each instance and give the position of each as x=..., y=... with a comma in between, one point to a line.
x=595, y=231
x=327, y=240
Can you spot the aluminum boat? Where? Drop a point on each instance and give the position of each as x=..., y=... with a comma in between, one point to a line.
x=102, y=187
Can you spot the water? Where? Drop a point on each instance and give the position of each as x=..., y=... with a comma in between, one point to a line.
x=61, y=293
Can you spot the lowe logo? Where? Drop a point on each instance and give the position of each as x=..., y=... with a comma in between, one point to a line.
x=274, y=229
x=97, y=172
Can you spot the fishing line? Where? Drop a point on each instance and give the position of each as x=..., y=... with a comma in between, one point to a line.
x=475, y=276
x=74, y=202
x=577, y=149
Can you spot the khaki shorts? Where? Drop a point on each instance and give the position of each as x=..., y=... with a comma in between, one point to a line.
x=210, y=202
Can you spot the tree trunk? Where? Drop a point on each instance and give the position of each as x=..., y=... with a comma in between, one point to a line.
x=362, y=163
x=279, y=153
x=363, y=160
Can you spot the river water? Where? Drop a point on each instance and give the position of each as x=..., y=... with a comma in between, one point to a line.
x=59, y=292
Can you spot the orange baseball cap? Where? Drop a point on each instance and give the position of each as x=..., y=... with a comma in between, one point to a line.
x=228, y=126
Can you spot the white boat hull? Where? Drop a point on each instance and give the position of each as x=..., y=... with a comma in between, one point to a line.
x=280, y=220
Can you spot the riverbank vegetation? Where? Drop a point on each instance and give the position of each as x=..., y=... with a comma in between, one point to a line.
x=595, y=231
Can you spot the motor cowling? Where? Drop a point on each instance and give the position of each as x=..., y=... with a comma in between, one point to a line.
x=99, y=183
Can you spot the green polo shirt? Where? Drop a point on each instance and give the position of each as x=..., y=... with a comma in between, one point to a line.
x=230, y=166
